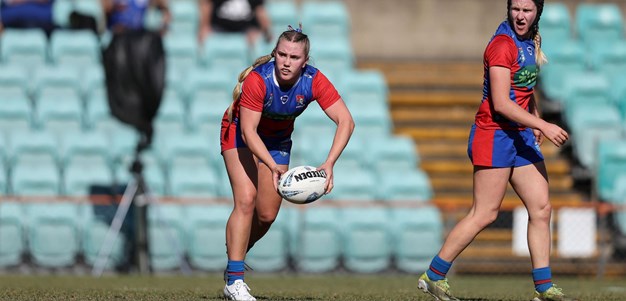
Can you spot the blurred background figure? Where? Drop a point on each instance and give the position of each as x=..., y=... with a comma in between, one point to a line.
x=124, y=15
x=234, y=16
x=27, y=14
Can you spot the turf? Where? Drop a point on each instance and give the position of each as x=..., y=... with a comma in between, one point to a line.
x=292, y=287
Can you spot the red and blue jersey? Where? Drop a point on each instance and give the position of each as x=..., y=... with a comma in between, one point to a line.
x=506, y=50
x=279, y=107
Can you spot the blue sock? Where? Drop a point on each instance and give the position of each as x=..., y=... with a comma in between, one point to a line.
x=438, y=269
x=542, y=278
x=234, y=271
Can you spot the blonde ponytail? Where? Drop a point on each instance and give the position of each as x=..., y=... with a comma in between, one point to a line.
x=242, y=76
x=540, y=56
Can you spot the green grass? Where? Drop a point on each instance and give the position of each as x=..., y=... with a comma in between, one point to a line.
x=292, y=287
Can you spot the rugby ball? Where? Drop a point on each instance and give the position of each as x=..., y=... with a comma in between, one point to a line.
x=302, y=184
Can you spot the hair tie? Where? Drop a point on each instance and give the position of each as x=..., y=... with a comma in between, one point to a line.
x=299, y=29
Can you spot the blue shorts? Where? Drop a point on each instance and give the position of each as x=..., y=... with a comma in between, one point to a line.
x=279, y=148
x=503, y=148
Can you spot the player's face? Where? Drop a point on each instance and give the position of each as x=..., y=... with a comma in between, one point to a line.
x=523, y=14
x=290, y=59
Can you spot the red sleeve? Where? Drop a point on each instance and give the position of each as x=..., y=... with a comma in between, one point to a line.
x=253, y=92
x=501, y=52
x=324, y=91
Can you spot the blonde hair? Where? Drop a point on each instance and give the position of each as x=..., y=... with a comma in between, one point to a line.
x=242, y=76
x=291, y=35
x=540, y=56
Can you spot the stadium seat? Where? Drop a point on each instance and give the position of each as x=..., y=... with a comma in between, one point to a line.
x=206, y=229
x=23, y=47
x=611, y=165
x=564, y=60
x=610, y=61
x=599, y=25
x=373, y=120
x=417, y=237
x=271, y=254
x=619, y=199
x=404, y=185
x=556, y=26
x=585, y=141
x=40, y=180
x=76, y=48
x=391, y=153
x=61, y=10
x=14, y=79
x=181, y=51
x=56, y=82
x=282, y=14
x=185, y=16
x=53, y=233
x=366, y=238
x=201, y=182
x=95, y=228
x=325, y=19
x=586, y=88
x=86, y=147
x=171, y=117
x=60, y=116
x=4, y=179
x=353, y=185
x=334, y=59
x=191, y=149
x=363, y=88
x=79, y=178
x=16, y=113
x=12, y=229
x=166, y=236
x=209, y=94
x=318, y=240
x=226, y=53
x=33, y=148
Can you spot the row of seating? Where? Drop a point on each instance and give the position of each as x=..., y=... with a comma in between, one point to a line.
x=315, y=238
x=583, y=76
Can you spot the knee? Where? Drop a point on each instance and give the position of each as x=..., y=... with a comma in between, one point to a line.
x=542, y=213
x=486, y=218
x=267, y=217
x=245, y=203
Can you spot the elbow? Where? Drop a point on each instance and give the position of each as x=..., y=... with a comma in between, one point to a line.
x=350, y=125
x=499, y=108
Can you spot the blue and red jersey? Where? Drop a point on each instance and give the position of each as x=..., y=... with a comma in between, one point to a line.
x=506, y=50
x=279, y=107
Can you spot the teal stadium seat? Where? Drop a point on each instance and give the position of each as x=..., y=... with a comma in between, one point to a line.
x=367, y=241
x=325, y=19
x=14, y=79
x=206, y=231
x=57, y=84
x=4, y=179
x=417, y=236
x=61, y=116
x=190, y=150
x=166, y=236
x=318, y=240
x=172, y=116
x=41, y=180
x=76, y=48
x=395, y=153
x=372, y=120
x=184, y=17
x=16, y=113
x=611, y=164
x=23, y=47
x=79, y=178
x=227, y=53
x=209, y=94
x=181, y=51
x=404, y=185
x=200, y=182
x=12, y=226
x=94, y=231
x=363, y=88
x=53, y=233
x=564, y=60
x=334, y=59
x=271, y=254
x=619, y=199
x=584, y=88
x=610, y=61
x=555, y=26
x=282, y=14
x=61, y=10
x=599, y=25
x=353, y=185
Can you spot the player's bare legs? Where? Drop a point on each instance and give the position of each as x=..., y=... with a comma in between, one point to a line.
x=489, y=189
x=531, y=184
x=267, y=204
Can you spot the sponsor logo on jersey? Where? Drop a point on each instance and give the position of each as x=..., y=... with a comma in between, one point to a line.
x=284, y=99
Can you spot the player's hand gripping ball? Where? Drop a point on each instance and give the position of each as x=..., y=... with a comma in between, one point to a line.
x=302, y=184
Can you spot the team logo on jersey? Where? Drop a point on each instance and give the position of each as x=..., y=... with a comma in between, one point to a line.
x=530, y=50
x=284, y=99
x=299, y=101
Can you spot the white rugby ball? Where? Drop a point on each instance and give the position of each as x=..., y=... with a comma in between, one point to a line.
x=302, y=184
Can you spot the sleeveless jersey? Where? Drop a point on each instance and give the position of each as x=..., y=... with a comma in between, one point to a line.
x=505, y=49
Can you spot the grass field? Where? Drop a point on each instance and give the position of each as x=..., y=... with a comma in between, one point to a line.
x=292, y=287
